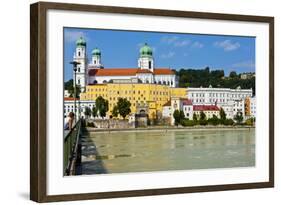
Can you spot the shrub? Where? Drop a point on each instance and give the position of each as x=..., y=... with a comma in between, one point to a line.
x=228, y=122
x=203, y=122
x=187, y=122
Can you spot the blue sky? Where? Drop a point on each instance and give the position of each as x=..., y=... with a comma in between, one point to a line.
x=120, y=49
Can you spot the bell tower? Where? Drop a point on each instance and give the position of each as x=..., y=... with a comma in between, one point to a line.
x=146, y=59
x=80, y=56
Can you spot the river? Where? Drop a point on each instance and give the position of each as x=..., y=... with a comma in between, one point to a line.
x=146, y=151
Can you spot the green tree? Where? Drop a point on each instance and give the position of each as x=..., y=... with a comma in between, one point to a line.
x=233, y=74
x=94, y=112
x=222, y=114
x=87, y=111
x=102, y=106
x=176, y=116
x=238, y=117
x=194, y=117
x=202, y=116
x=123, y=106
x=115, y=111
x=214, y=120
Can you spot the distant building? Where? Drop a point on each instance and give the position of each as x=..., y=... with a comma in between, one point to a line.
x=249, y=75
x=95, y=73
x=144, y=97
x=216, y=96
x=66, y=93
x=82, y=104
x=208, y=110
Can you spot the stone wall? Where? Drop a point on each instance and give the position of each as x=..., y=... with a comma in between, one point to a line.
x=112, y=124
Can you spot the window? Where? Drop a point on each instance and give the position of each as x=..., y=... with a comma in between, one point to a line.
x=149, y=64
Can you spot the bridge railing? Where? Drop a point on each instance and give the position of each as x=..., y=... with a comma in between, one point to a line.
x=70, y=149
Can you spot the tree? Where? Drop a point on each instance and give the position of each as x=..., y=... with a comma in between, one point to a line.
x=123, y=107
x=101, y=106
x=194, y=117
x=222, y=114
x=87, y=111
x=176, y=116
x=238, y=117
x=233, y=74
x=202, y=116
x=115, y=111
x=94, y=112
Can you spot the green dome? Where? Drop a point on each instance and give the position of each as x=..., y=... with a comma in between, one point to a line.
x=81, y=42
x=96, y=52
x=145, y=50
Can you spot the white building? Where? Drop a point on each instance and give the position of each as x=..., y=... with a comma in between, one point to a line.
x=80, y=56
x=216, y=96
x=253, y=106
x=187, y=108
x=82, y=104
x=95, y=73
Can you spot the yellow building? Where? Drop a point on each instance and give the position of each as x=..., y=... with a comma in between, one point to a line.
x=151, y=96
x=247, y=106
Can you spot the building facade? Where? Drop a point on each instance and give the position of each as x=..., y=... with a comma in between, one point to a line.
x=217, y=96
x=82, y=104
x=95, y=73
x=152, y=96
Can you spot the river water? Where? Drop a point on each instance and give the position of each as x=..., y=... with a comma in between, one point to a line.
x=120, y=152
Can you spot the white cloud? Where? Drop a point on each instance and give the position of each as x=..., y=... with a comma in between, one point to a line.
x=178, y=42
x=227, y=45
x=170, y=54
x=182, y=43
x=197, y=44
x=169, y=39
x=244, y=64
x=72, y=36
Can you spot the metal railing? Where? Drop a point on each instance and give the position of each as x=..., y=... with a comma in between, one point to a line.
x=70, y=149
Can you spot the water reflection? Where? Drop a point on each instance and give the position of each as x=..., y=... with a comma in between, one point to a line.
x=118, y=152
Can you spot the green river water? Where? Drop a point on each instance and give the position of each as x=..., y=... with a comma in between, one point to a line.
x=146, y=151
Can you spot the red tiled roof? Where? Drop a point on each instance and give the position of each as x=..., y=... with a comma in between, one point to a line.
x=127, y=71
x=163, y=71
x=205, y=108
x=70, y=98
x=187, y=102
x=143, y=71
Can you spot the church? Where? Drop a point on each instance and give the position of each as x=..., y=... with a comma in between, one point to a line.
x=93, y=72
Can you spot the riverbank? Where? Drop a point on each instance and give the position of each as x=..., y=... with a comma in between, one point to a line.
x=170, y=128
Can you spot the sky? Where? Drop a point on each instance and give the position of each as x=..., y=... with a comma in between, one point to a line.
x=120, y=49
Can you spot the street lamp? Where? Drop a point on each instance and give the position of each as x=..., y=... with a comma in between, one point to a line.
x=74, y=63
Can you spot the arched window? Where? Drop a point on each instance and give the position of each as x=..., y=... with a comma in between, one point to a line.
x=78, y=81
x=104, y=81
x=95, y=82
x=149, y=64
x=78, y=69
x=79, y=53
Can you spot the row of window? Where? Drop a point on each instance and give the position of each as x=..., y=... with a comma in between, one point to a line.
x=219, y=95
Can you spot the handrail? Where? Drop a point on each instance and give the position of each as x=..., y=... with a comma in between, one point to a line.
x=70, y=146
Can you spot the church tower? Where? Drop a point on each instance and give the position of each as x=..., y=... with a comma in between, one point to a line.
x=96, y=58
x=80, y=56
x=146, y=59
